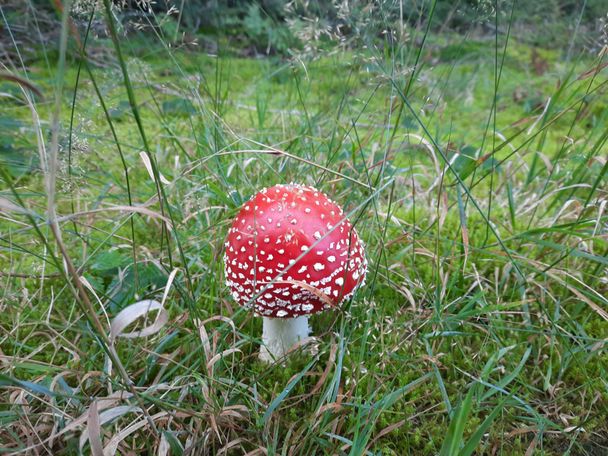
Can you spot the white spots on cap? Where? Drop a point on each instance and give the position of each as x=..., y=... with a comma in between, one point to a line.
x=243, y=249
x=340, y=268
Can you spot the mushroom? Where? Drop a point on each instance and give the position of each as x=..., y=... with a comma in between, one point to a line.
x=291, y=253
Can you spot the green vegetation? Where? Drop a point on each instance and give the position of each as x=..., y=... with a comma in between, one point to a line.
x=474, y=167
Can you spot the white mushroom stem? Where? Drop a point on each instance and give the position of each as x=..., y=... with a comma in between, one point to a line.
x=281, y=334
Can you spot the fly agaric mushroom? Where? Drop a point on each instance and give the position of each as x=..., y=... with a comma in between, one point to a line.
x=291, y=253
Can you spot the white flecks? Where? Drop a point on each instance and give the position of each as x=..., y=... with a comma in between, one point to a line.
x=280, y=251
x=281, y=314
x=331, y=258
x=319, y=266
x=302, y=269
x=307, y=307
x=339, y=281
x=268, y=296
x=307, y=210
x=238, y=238
x=317, y=235
x=261, y=269
x=293, y=221
x=243, y=249
x=270, y=257
x=292, y=261
x=304, y=248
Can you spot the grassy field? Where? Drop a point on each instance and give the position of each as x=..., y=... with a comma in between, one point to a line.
x=475, y=170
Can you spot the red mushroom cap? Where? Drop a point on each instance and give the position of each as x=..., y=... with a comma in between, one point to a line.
x=292, y=246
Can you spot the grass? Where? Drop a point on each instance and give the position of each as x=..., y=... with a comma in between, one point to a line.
x=475, y=171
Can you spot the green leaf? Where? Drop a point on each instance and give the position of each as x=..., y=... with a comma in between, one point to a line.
x=474, y=440
x=281, y=397
x=32, y=387
x=109, y=260
x=453, y=441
